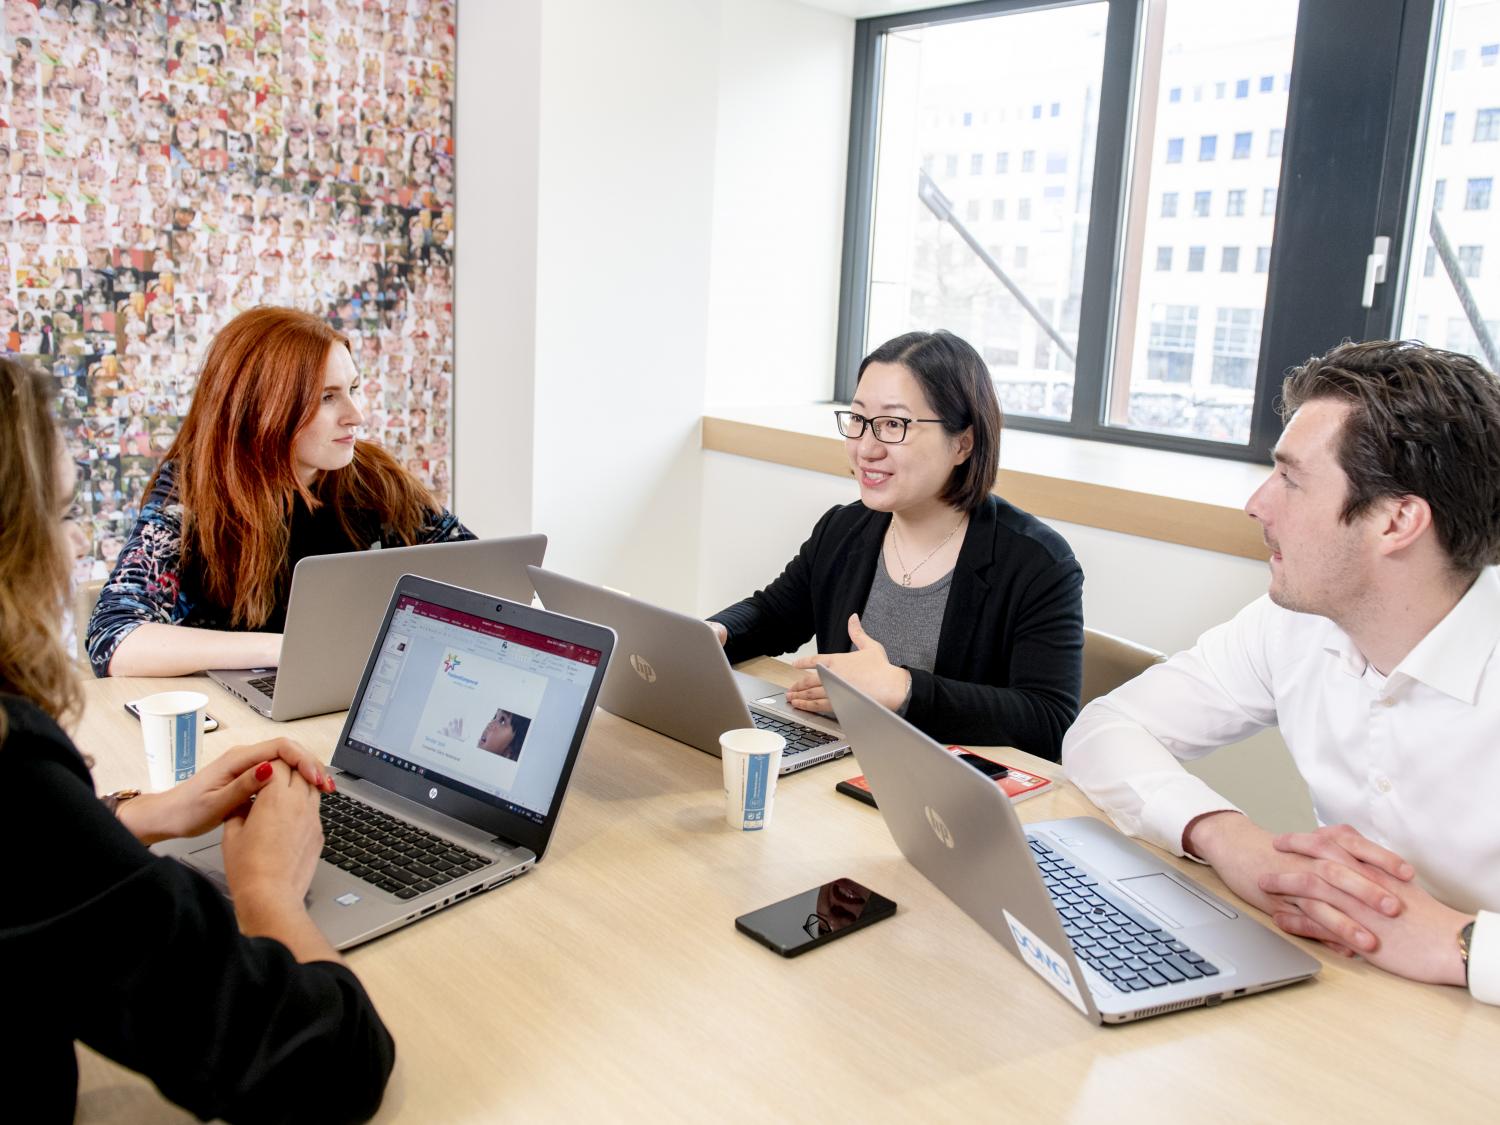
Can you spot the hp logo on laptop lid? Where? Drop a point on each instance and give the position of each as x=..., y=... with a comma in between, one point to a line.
x=643, y=668
x=939, y=828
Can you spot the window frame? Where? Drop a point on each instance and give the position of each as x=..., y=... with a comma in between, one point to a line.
x=1355, y=73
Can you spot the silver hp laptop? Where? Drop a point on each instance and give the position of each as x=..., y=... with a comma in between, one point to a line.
x=335, y=605
x=673, y=676
x=1114, y=930
x=453, y=760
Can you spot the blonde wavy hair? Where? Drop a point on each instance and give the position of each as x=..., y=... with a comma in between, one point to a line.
x=34, y=567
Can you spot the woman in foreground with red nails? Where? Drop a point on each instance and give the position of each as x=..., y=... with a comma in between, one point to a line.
x=239, y=1012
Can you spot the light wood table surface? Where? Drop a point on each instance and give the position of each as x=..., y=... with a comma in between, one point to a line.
x=610, y=983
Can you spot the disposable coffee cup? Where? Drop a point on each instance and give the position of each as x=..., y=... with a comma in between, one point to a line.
x=172, y=725
x=752, y=759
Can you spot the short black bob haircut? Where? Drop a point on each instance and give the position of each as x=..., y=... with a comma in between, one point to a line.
x=958, y=385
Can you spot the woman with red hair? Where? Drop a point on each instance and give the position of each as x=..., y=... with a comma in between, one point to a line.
x=265, y=471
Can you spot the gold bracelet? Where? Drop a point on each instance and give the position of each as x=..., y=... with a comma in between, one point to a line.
x=113, y=801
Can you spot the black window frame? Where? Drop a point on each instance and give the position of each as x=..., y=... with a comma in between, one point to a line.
x=1357, y=90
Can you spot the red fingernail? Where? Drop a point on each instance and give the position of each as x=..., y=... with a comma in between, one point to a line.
x=263, y=772
x=331, y=786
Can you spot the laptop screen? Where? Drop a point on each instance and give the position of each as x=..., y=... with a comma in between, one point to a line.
x=487, y=709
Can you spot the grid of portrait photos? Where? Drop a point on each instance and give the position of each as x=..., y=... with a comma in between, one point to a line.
x=168, y=164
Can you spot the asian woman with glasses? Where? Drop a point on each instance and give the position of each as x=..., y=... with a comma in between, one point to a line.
x=952, y=607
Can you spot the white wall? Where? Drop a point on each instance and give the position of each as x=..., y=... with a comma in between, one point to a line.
x=499, y=64
x=782, y=157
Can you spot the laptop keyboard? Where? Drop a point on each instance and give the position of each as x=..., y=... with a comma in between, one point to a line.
x=390, y=853
x=266, y=684
x=1121, y=946
x=799, y=738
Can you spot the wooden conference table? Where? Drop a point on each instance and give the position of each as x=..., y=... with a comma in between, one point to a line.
x=610, y=982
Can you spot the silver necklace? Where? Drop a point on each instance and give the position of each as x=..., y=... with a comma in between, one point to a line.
x=901, y=563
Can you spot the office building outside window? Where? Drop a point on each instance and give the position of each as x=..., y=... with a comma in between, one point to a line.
x=1201, y=40
x=1236, y=347
x=1174, y=336
x=1446, y=283
x=1092, y=272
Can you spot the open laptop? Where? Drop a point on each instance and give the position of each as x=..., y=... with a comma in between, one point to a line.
x=453, y=760
x=335, y=605
x=1119, y=933
x=675, y=679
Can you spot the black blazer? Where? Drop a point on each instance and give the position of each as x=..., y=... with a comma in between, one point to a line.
x=1010, y=653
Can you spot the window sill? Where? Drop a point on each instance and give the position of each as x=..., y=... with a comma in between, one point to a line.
x=1172, y=497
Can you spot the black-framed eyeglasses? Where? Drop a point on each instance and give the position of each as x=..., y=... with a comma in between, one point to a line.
x=887, y=428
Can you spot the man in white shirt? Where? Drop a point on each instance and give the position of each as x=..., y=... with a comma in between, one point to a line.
x=1376, y=652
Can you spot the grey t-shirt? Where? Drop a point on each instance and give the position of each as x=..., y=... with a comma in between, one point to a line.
x=907, y=620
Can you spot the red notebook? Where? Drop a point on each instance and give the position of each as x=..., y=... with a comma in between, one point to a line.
x=1017, y=783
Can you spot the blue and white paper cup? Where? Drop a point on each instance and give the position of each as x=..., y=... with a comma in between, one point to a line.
x=752, y=759
x=172, y=725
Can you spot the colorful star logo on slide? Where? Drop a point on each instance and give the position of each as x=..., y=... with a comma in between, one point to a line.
x=451, y=662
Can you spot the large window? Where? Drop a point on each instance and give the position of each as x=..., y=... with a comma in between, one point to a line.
x=1134, y=229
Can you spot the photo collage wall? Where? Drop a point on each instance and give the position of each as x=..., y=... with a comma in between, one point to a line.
x=167, y=164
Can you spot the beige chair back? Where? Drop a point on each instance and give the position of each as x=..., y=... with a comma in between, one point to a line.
x=1109, y=661
x=85, y=597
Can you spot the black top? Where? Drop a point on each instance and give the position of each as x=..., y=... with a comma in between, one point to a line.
x=140, y=957
x=1010, y=654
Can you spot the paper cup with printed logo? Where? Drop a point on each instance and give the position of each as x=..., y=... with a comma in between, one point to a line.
x=172, y=725
x=752, y=759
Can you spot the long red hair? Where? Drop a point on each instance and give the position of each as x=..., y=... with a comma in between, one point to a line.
x=262, y=381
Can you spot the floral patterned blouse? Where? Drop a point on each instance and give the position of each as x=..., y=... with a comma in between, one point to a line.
x=150, y=584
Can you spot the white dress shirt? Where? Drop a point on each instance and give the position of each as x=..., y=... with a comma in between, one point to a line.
x=1411, y=760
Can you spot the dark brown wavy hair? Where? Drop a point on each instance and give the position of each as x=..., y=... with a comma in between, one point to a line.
x=34, y=567
x=1424, y=422
x=262, y=381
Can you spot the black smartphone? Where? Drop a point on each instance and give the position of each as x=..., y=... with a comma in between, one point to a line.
x=990, y=769
x=210, y=724
x=794, y=925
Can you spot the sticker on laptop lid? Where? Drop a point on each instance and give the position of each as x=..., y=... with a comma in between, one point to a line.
x=1045, y=962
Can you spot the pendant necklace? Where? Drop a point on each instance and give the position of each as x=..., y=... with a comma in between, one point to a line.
x=900, y=562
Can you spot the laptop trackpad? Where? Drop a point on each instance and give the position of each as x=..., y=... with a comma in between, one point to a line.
x=1170, y=900
x=209, y=862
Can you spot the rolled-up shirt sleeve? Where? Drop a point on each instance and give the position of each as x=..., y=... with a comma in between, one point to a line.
x=1484, y=958
x=1126, y=750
